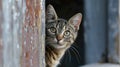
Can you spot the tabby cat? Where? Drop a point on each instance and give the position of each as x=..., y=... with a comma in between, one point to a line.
x=60, y=35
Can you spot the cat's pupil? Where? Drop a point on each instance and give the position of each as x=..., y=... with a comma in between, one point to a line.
x=52, y=29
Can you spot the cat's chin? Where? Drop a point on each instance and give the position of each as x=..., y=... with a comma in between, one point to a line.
x=59, y=46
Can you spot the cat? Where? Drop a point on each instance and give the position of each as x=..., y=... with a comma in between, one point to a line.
x=60, y=35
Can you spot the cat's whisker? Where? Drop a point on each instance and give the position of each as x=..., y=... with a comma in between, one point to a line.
x=76, y=53
x=69, y=55
x=75, y=45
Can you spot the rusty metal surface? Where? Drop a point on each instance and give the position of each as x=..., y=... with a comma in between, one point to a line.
x=22, y=33
x=31, y=34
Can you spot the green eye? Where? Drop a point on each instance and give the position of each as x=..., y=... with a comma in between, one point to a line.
x=53, y=30
x=67, y=33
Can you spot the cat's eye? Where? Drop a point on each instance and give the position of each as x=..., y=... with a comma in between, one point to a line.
x=67, y=33
x=53, y=30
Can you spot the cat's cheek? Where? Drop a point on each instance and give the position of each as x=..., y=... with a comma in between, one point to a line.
x=71, y=41
x=61, y=42
x=55, y=40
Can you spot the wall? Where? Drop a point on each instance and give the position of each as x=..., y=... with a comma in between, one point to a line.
x=22, y=33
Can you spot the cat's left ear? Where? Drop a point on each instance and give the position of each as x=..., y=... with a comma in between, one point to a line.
x=51, y=13
x=76, y=21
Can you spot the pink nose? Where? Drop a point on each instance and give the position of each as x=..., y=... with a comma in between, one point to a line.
x=59, y=37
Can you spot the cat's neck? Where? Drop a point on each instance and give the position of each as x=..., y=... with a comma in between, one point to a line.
x=56, y=50
x=53, y=56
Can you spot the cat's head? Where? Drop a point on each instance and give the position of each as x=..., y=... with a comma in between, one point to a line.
x=59, y=32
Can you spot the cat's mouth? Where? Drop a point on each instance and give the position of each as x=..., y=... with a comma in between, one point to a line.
x=59, y=43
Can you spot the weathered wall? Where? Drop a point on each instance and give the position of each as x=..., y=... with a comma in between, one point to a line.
x=22, y=33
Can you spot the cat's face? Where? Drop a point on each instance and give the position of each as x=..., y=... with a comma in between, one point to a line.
x=59, y=32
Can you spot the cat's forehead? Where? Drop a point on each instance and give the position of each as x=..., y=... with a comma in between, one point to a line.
x=59, y=23
x=61, y=20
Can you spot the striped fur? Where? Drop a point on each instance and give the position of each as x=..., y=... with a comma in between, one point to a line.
x=60, y=34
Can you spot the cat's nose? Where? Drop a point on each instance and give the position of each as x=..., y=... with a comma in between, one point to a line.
x=59, y=37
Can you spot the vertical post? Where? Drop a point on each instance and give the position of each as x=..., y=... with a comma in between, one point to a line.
x=33, y=34
x=42, y=34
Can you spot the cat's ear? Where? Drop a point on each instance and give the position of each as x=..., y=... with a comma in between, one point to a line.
x=50, y=13
x=76, y=21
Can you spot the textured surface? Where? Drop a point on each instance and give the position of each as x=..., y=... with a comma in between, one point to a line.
x=30, y=34
x=22, y=24
x=13, y=13
x=33, y=35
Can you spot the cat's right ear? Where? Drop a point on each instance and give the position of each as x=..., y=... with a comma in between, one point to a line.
x=50, y=13
x=76, y=21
